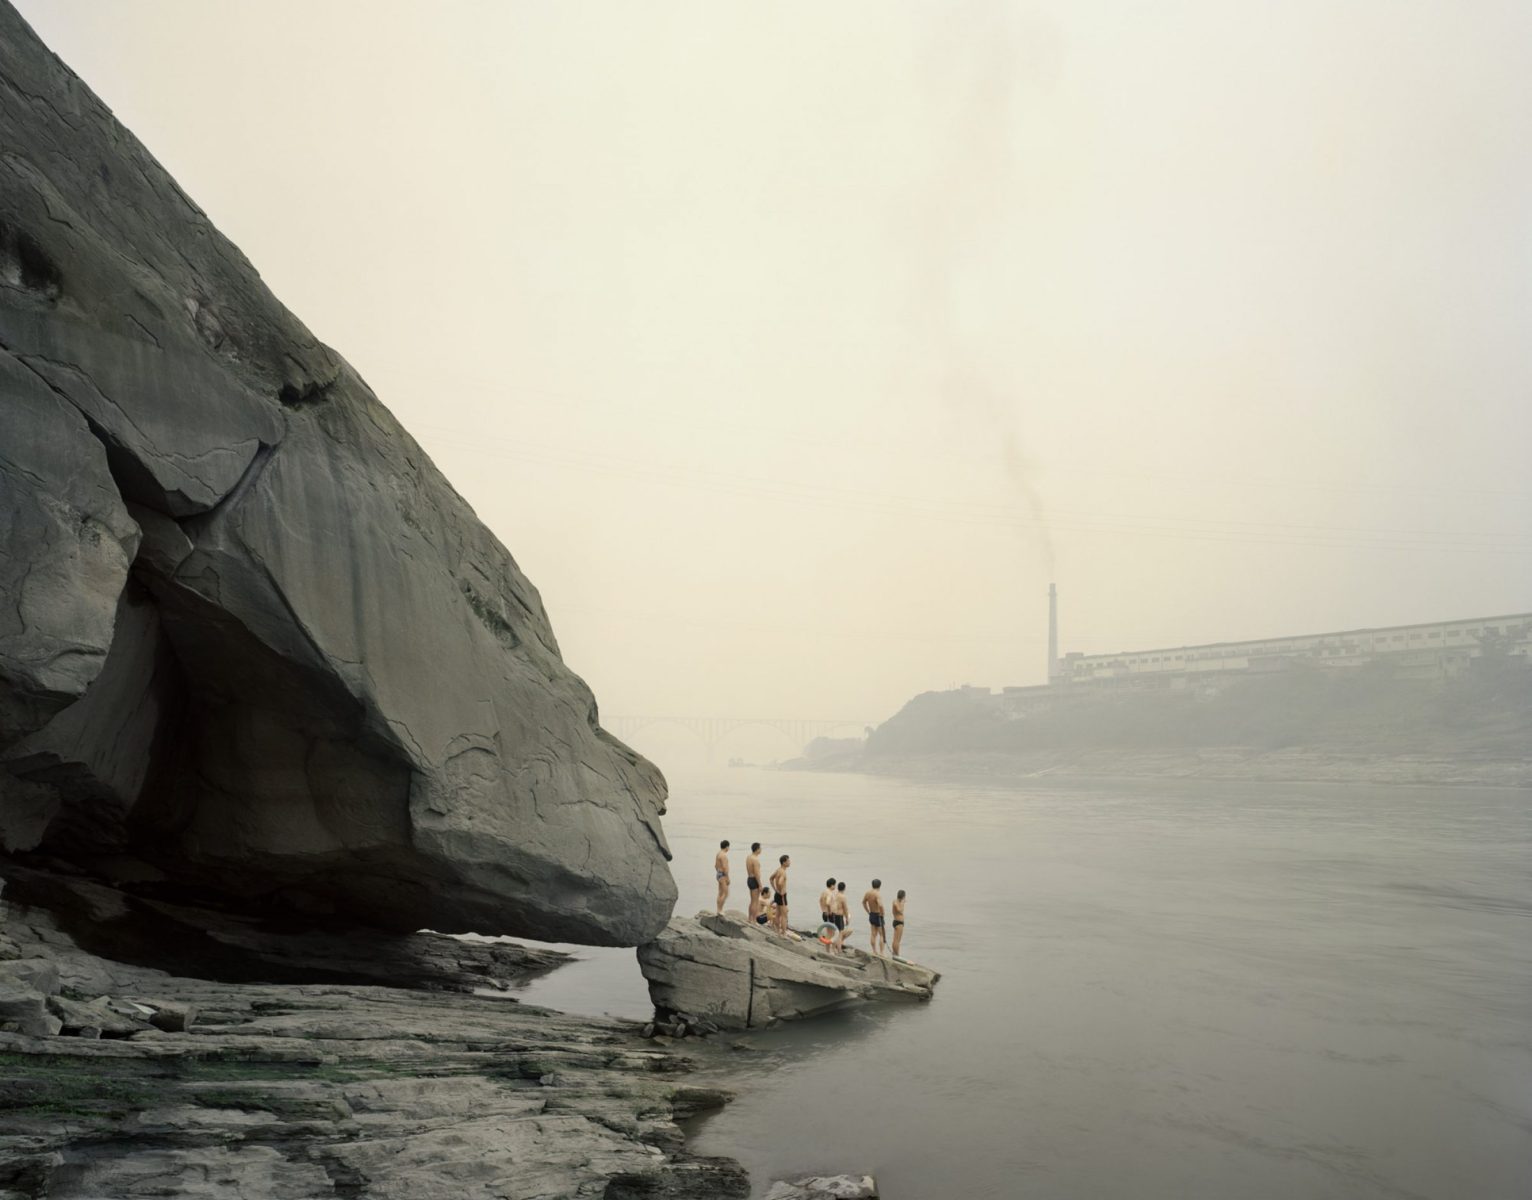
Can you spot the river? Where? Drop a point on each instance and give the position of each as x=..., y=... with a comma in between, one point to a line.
x=1150, y=989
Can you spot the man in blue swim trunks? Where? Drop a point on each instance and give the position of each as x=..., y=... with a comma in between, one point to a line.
x=721, y=870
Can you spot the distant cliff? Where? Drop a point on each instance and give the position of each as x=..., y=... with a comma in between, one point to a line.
x=1366, y=724
x=253, y=646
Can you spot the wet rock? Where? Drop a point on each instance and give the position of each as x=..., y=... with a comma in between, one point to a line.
x=252, y=643
x=743, y=977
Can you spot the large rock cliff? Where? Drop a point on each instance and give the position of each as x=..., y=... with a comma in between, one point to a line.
x=252, y=644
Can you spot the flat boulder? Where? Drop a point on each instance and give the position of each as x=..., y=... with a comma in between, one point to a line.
x=740, y=976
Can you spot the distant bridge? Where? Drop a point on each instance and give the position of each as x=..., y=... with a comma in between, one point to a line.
x=712, y=730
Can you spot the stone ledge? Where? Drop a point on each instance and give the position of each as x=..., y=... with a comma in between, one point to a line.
x=740, y=976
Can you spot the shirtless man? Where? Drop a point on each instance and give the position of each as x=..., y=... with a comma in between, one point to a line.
x=779, y=886
x=827, y=901
x=841, y=911
x=873, y=903
x=898, y=921
x=721, y=870
x=753, y=878
x=764, y=916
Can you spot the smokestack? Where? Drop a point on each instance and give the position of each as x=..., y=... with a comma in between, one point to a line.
x=1053, y=634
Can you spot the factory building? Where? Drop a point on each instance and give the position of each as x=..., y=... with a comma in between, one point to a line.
x=1432, y=651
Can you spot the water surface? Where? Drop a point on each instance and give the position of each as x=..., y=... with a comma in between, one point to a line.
x=1150, y=990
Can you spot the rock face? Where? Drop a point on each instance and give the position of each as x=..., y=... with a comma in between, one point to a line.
x=251, y=641
x=291, y=1092
x=739, y=976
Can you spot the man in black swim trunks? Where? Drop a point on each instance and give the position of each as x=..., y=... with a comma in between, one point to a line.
x=779, y=885
x=753, y=878
x=839, y=911
x=898, y=921
x=826, y=901
x=873, y=903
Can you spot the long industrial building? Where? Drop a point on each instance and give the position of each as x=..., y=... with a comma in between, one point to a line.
x=1436, y=650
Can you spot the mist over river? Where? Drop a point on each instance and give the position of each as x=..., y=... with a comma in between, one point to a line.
x=1150, y=989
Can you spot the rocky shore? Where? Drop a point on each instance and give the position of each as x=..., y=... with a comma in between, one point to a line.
x=119, y=1079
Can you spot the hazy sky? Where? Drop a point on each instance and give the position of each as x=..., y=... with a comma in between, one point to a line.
x=793, y=347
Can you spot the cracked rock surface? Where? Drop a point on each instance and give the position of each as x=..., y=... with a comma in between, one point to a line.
x=252, y=643
x=741, y=976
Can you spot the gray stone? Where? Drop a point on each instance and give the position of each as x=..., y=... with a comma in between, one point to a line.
x=215, y=944
x=251, y=641
x=39, y=974
x=825, y=1187
x=24, y=1009
x=66, y=543
x=80, y=1017
x=97, y=753
x=741, y=976
x=173, y=1018
x=291, y=1092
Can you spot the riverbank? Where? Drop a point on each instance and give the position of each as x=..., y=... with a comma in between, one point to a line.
x=1300, y=726
x=131, y=1077
x=1236, y=764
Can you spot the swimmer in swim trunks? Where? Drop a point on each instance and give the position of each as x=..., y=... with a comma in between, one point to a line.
x=840, y=912
x=826, y=900
x=753, y=878
x=873, y=903
x=898, y=921
x=721, y=870
x=779, y=885
x=764, y=916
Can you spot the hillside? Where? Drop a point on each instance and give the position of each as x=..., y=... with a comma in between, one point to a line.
x=1300, y=724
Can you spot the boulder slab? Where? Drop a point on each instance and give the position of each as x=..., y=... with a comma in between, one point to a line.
x=741, y=976
x=253, y=645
